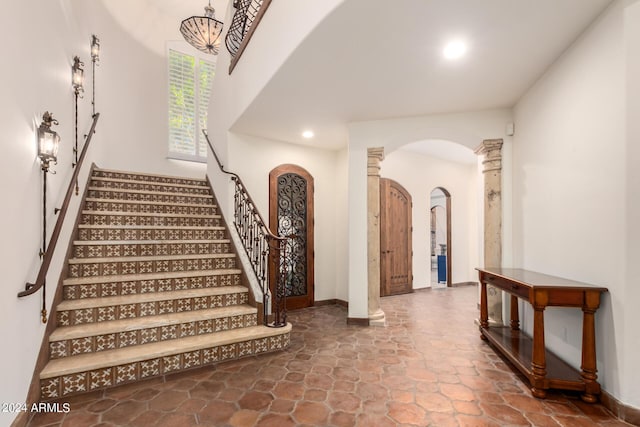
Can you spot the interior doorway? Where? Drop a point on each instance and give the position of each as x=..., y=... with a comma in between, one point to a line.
x=440, y=237
x=291, y=214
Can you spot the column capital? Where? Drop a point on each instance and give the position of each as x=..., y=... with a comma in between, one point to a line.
x=491, y=149
x=374, y=157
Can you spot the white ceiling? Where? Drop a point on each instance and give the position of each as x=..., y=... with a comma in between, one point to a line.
x=442, y=149
x=379, y=59
x=153, y=22
x=376, y=59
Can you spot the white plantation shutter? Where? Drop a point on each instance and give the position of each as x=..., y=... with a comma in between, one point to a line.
x=207, y=71
x=190, y=81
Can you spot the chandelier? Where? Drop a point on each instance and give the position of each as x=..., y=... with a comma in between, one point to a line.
x=203, y=32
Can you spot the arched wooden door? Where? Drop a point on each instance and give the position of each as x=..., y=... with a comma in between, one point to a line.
x=291, y=213
x=396, y=252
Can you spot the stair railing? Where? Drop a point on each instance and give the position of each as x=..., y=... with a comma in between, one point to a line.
x=263, y=248
x=245, y=20
x=40, y=282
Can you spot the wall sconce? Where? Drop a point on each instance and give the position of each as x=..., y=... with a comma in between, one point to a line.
x=95, y=57
x=48, y=142
x=95, y=48
x=77, y=80
x=77, y=77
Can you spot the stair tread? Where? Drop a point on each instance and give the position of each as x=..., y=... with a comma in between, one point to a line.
x=147, y=276
x=153, y=227
x=136, y=353
x=147, y=202
x=114, y=326
x=132, y=191
x=151, y=214
x=138, y=181
x=147, y=258
x=146, y=242
x=202, y=180
x=76, y=304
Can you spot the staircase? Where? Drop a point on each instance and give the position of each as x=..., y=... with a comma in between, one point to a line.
x=153, y=287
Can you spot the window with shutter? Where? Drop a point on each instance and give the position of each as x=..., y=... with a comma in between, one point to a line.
x=190, y=81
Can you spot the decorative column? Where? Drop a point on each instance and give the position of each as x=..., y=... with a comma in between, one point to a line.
x=491, y=149
x=374, y=157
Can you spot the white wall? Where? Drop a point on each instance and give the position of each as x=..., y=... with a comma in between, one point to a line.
x=341, y=174
x=280, y=32
x=253, y=158
x=419, y=175
x=35, y=80
x=131, y=94
x=631, y=344
x=569, y=194
x=131, y=134
x=468, y=129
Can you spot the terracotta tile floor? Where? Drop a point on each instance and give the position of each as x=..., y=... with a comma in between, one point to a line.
x=427, y=368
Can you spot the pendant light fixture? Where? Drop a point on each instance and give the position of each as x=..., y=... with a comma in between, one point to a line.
x=203, y=32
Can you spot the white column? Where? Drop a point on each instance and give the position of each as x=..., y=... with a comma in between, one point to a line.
x=491, y=149
x=374, y=157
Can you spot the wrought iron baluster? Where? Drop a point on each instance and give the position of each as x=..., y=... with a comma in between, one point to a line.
x=262, y=248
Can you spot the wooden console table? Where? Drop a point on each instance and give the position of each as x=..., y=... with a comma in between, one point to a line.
x=544, y=369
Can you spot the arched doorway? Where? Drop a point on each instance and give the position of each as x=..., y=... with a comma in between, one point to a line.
x=291, y=214
x=440, y=236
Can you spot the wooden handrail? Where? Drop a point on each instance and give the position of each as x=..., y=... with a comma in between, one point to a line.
x=235, y=57
x=31, y=288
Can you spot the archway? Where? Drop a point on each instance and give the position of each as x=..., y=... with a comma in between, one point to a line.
x=440, y=236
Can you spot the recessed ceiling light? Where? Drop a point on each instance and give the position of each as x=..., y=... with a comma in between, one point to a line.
x=455, y=49
x=307, y=134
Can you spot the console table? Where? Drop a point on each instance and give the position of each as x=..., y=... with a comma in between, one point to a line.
x=544, y=369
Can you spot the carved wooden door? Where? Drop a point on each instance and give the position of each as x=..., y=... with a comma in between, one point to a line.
x=396, y=273
x=291, y=214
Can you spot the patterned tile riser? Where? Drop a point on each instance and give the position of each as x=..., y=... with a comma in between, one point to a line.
x=142, y=267
x=148, y=178
x=67, y=385
x=150, y=249
x=95, y=234
x=128, y=311
x=144, y=197
x=143, y=186
x=105, y=342
x=159, y=221
x=134, y=287
x=114, y=206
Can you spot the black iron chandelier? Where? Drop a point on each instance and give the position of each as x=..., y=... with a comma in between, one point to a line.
x=203, y=32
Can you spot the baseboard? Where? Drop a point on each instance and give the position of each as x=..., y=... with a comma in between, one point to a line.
x=334, y=301
x=622, y=411
x=357, y=321
x=457, y=285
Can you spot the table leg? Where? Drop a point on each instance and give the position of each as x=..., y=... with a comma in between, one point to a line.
x=484, y=312
x=515, y=318
x=538, y=359
x=588, y=374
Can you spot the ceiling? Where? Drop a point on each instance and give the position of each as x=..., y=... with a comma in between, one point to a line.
x=375, y=59
x=443, y=149
x=153, y=22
